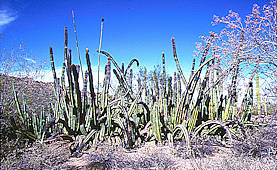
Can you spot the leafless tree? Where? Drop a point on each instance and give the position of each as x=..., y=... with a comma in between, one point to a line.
x=245, y=45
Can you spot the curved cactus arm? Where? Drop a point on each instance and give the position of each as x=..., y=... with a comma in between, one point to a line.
x=123, y=128
x=147, y=115
x=185, y=132
x=210, y=122
x=130, y=111
x=184, y=95
x=130, y=64
x=89, y=136
x=46, y=127
x=119, y=70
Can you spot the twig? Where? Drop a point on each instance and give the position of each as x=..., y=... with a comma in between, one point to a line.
x=77, y=43
x=102, y=21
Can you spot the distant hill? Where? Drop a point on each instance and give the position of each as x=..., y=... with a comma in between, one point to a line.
x=37, y=94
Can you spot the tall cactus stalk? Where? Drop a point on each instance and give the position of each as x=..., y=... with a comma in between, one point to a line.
x=192, y=69
x=53, y=67
x=258, y=95
x=247, y=88
x=236, y=63
x=91, y=87
x=164, y=76
x=177, y=61
x=211, y=103
x=265, y=106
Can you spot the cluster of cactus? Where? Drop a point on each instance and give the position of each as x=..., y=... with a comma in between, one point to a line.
x=177, y=114
x=31, y=125
x=161, y=108
x=90, y=117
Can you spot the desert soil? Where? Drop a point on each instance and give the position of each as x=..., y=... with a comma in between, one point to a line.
x=258, y=151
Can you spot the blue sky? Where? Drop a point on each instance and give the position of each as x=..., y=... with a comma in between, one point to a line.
x=139, y=29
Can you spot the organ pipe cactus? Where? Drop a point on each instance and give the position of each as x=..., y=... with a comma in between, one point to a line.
x=161, y=108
